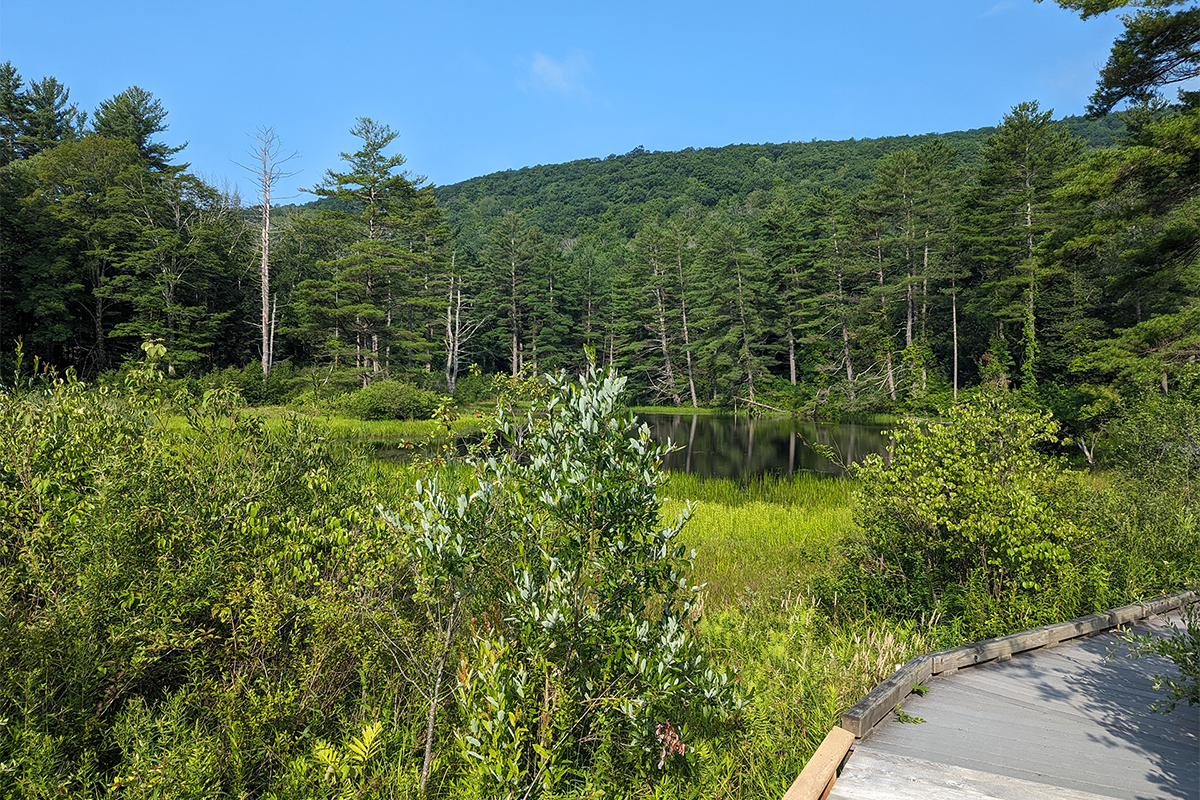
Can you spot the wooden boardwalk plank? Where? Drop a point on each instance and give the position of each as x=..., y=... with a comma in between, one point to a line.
x=814, y=781
x=885, y=776
x=1067, y=718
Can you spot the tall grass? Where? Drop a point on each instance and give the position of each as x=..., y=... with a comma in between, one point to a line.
x=761, y=540
x=803, y=489
x=759, y=545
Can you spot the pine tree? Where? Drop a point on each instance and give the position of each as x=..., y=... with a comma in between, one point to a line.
x=733, y=342
x=1021, y=166
x=52, y=118
x=14, y=111
x=135, y=115
x=382, y=277
x=651, y=261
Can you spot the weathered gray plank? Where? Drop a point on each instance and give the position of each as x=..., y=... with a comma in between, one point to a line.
x=880, y=701
x=1067, y=718
x=885, y=776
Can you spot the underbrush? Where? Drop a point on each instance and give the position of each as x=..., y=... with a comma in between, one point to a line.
x=205, y=600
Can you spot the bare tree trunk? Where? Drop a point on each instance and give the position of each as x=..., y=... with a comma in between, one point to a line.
x=687, y=341
x=662, y=331
x=954, y=328
x=846, y=358
x=264, y=270
x=267, y=172
x=792, y=355
x=845, y=326
x=439, y=672
x=271, y=340
x=924, y=316
x=891, y=376
x=512, y=268
x=452, y=343
x=745, y=331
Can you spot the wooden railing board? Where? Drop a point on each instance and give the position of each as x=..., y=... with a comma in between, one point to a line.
x=883, y=698
x=879, y=702
x=817, y=778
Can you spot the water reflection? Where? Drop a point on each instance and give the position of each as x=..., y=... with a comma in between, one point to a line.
x=736, y=447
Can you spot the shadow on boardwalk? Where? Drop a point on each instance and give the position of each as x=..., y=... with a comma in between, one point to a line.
x=1064, y=721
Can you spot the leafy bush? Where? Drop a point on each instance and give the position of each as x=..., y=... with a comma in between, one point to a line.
x=970, y=517
x=1182, y=647
x=1153, y=507
x=582, y=655
x=473, y=388
x=178, y=602
x=390, y=399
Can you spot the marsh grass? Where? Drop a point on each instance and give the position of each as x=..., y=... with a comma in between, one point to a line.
x=759, y=545
x=764, y=539
x=801, y=669
x=686, y=411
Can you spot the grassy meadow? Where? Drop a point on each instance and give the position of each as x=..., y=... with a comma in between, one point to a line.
x=765, y=538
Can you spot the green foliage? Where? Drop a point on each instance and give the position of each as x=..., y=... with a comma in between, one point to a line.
x=593, y=628
x=390, y=399
x=1157, y=49
x=969, y=514
x=178, y=602
x=1153, y=507
x=1182, y=647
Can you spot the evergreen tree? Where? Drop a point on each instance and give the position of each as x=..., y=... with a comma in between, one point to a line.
x=788, y=255
x=135, y=115
x=14, y=111
x=651, y=261
x=51, y=118
x=384, y=270
x=734, y=331
x=834, y=287
x=1021, y=167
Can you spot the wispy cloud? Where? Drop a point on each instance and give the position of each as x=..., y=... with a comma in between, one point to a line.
x=560, y=76
x=999, y=8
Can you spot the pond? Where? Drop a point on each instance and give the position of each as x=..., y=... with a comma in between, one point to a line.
x=742, y=447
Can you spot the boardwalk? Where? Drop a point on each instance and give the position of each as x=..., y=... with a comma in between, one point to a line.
x=1063, y=722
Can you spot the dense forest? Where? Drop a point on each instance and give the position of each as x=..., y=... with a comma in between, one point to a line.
x=822, y=277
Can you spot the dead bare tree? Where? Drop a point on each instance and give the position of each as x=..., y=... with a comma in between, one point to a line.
x=460, y=328
x=267, y=171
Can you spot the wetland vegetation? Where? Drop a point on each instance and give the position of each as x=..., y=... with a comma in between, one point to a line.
x=374, y=520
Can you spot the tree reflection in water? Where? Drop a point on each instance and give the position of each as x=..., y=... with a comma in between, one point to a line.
x=740, y=446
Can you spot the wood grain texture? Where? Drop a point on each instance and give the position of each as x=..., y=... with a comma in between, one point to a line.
x=884, y=776
x=862, y=717
x=1074, y=719
x=880, y=701
x=819, y=773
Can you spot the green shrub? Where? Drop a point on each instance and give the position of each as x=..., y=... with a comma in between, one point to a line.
x=970, y=518
x=588, y=661
x=1182, y=647
x=1152, y=512
x=179, y=603
x=389, y=399
x=472, y=388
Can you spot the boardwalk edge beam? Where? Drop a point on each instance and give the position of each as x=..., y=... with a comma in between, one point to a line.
x=879, y=702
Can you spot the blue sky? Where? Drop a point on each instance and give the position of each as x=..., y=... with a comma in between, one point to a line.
x=475, y=87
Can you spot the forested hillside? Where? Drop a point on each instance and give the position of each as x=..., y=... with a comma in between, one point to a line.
x=821, y=277
x=577, y=197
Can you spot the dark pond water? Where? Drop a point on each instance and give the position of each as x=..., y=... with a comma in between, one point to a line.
x=737, y=447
